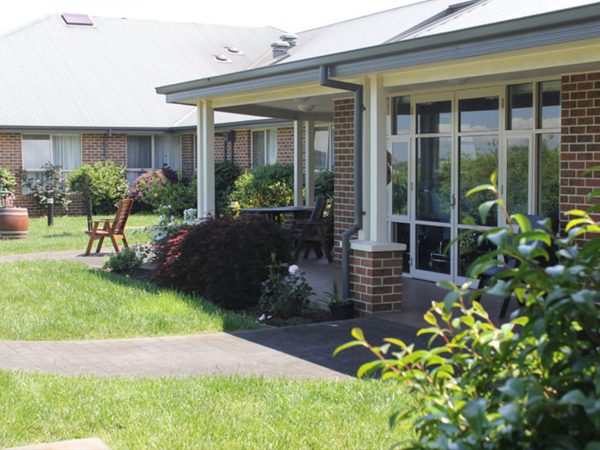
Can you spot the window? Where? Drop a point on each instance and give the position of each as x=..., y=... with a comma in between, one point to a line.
x=323, y=146
x=264, y=147
x=60, y=150
x=167, y=152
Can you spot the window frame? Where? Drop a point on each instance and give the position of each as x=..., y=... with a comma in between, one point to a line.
x=51, y=140
x=266, y=146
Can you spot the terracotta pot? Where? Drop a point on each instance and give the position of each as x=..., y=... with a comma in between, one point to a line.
x=14, y=223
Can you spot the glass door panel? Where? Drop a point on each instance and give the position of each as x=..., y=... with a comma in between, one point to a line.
x=399, y=178
x=433, y=180
x=431, y=255
x=434, y=117
x=517, y=174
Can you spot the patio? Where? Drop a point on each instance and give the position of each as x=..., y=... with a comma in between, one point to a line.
x=417, y=295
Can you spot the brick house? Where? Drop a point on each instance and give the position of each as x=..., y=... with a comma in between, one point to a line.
x=449, y=94
x=78, y=90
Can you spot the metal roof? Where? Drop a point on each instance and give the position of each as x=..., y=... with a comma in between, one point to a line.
x=424, y=18
x=59, y=75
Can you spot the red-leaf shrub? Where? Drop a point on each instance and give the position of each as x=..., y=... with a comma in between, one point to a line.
x=223, y=259
x=141, y=183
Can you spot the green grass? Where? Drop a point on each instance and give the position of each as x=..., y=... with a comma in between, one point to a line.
x=199, y=412
x=67, y=300
x=68, y=234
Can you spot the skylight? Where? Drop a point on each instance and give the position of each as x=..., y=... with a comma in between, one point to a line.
x=77, y=19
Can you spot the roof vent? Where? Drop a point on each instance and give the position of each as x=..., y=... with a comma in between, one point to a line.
x=280, y=48
x=222, y=58
x=290, y=38
x=233, y=50
x=77, y=19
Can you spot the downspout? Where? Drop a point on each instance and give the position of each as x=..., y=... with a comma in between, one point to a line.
x=358, y=170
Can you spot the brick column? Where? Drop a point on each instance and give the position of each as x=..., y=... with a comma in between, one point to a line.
x=376, y=276
x=580, y=140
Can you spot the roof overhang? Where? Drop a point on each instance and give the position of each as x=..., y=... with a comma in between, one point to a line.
x=555, y=28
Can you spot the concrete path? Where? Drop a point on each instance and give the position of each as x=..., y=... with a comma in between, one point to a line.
x=301, y=352
x=94, y=260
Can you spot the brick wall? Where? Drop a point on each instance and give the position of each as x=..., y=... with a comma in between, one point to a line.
x=98, y=147
x=188, y=154
x=242, y=149
x=285, y=145
x=343, y=148
x=580, y=139
x=376, y=281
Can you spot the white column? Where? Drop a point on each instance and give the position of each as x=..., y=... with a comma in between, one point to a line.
x=309, y=162
x=205, y=159
x=376, y=189
x=297, y=163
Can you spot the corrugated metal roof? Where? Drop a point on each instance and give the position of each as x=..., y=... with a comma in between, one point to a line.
x=419, y=19
x=59, y=75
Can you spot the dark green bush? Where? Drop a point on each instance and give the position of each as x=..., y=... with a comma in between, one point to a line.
x=533, y=383
x=7, y=180
x=264, y=186
x=226, y=173
x=104, y=183
x=124, y=261
x=223, y=259
x=285, y=293
x=171, y=198
x=324, y=184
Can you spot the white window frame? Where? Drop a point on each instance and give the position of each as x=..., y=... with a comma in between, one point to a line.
x=329, y=153
x=265, y=150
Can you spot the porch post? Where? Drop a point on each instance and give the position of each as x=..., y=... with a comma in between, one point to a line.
x=205, y=159
x=309, y=162
x=376, y=189
x=297, y=163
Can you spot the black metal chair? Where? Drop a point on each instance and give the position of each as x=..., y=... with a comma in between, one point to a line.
x=315, y=232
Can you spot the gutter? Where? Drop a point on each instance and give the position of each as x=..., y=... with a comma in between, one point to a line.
x=358, y=170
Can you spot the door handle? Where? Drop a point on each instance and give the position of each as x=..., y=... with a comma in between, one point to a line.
x=453, y=201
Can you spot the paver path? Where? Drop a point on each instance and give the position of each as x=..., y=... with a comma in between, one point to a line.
x=94, y=260
x=301, y=352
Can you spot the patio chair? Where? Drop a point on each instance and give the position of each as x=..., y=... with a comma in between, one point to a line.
x=102, y=228
x=316, y=232
x=537, y=223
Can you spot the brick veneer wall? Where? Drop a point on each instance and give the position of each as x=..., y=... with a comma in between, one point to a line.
x=376, y=281
x=241, y=151
x=580, y=139
x=343, y=147
x=188, y=154
x=285, y=145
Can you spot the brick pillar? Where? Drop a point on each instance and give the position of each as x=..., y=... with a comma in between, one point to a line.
x=580, y=140
x=188, y=154
x=376, y=276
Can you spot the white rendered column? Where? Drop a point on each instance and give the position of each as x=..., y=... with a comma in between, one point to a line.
x=297, y=163
x=205, y=159
x=309, y=162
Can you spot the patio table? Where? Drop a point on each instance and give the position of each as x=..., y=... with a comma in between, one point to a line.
x=277, y=213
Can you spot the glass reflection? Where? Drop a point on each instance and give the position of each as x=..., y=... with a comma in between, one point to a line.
x=434, y=117
x=400, y=178
x=401, y=233
x=548, y=187
x=431, y=245
x=549, y=104
x=401, y=115
x=520, y=106
x=478, y=158
x=469, y=250
x=434, y=166
x=517, y=174
x=479, y=114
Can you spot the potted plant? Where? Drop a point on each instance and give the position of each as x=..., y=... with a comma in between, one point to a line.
x=340, y=309
x=14, y=222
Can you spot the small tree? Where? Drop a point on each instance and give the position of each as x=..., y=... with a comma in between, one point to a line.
x=532, y=383
x=50, y=185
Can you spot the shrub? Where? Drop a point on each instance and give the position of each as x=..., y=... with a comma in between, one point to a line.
x=324, y=183
x=146, y=179
x=103, y=184
x=226, y=173
x=50, y=185
x=264, y=186
x=223, y=259
x=124, y=261
x=533, y=383
x=171, y=199
x=7, y=180
x=285, y=293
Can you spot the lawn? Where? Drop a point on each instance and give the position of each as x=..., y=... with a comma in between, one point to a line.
x=68, y=234
x=67, y=300
x=198, y=412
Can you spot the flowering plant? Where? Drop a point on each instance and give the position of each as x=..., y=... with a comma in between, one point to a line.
x=286, y=292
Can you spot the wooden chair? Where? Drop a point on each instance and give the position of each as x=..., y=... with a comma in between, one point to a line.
x=315, y=232
x=115, y=232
